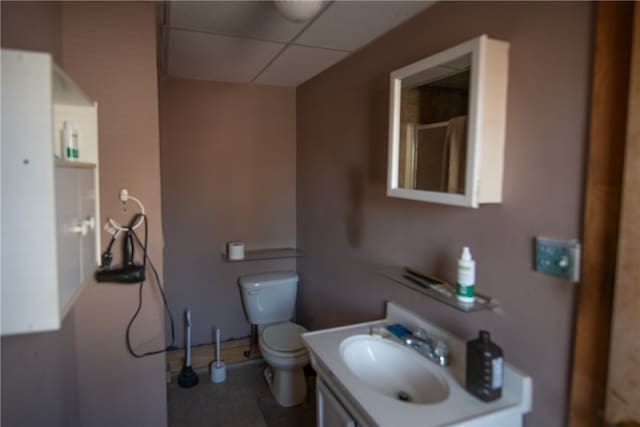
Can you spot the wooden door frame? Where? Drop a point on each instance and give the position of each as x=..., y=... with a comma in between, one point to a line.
x=607, y=133
x=623, y=387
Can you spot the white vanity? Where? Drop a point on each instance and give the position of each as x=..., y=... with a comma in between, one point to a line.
x=368, y=380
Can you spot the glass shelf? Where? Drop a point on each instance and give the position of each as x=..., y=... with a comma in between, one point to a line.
x=262, y=254
x=438, y=289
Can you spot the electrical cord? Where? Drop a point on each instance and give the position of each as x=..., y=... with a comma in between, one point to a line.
x=146, y=258
x=124, y=198
x=107, y=256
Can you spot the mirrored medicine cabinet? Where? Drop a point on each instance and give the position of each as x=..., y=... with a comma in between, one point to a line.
x=447, y=125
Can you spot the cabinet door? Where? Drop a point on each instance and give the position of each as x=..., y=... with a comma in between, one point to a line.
x=75, y=230
x=87, y=213
x=330, y=412
x=67, y=234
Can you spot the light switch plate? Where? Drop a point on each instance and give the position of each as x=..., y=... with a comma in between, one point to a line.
x=558, y=257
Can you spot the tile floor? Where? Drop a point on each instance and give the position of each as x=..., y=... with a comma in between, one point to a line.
x=243, y=400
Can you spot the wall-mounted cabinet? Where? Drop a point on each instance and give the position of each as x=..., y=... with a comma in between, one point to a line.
x=447, y=125
x=50, y=210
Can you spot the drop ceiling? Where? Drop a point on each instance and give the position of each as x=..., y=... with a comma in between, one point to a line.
x=251, y=42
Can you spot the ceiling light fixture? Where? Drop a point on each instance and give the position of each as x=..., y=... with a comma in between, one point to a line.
x=298, y=10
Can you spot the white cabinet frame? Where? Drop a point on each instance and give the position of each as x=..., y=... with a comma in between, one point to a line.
x=39, y=280
x=486, y=123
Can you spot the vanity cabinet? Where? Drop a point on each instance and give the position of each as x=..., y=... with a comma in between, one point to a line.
x=330, y=412
x=334, y=405
x=50, y=210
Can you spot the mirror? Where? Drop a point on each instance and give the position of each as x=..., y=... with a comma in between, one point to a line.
x=433, y=128
x=438, y=119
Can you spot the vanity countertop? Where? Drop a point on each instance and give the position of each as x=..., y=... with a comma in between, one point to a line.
x=459, y=409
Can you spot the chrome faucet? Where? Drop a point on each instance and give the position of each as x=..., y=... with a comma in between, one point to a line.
x=433, y=349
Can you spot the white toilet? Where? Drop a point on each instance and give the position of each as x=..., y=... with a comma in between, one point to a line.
x=269, y=301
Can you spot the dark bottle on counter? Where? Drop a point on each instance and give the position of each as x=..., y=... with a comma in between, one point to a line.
x=484, y=368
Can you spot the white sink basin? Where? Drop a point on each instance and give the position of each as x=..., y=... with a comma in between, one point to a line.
x=392, y=370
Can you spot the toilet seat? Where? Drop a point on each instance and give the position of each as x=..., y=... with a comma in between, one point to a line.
x=284, y=337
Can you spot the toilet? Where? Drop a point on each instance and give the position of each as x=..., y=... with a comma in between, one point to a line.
x=269, y=301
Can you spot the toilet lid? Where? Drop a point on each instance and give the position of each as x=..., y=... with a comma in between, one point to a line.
x=284, y=336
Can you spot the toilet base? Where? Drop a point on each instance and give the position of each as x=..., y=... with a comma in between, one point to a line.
x=289, y=387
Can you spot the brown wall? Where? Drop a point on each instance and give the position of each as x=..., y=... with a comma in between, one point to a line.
x=83, y=375
x=110, y=50
x=38, y=367
x=33, y=26
x=228, y=173
x=349, y=229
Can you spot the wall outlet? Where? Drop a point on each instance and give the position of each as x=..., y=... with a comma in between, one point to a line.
x=558, y=258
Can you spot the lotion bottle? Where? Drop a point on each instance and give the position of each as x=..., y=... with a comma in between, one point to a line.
x=69, y=142
x=466, y=277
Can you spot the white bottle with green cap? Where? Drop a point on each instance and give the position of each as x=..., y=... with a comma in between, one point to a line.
x=466, y=276
x=69, y=142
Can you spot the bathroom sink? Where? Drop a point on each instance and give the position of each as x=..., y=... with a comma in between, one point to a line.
x=392, y=370
x=380, y=382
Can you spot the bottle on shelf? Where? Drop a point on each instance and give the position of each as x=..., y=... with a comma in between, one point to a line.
x=466, y=277
x=70, y=150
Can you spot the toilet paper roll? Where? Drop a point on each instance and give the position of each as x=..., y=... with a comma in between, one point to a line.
x=235, y=250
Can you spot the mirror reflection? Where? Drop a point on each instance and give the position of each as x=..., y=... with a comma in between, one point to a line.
x=434, y=106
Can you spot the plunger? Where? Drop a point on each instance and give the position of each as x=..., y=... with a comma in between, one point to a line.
x=187, y=377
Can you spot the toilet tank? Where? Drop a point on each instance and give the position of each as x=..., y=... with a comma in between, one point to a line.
x=269, y=297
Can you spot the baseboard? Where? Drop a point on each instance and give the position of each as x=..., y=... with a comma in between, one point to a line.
x=231, y=352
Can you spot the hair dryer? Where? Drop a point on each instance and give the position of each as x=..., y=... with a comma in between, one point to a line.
x=129, y=272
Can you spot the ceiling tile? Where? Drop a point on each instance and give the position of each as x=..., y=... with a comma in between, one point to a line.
x=254, y=19
x=298, y=64
x=349, y=25
x=210, y=57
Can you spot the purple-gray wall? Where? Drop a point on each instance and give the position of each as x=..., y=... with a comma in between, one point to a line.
x=345, y=223
x=228, y=173
x=82, y=374
x=349, y=229
x=33, y=25
x=39, y=380
x=110, y=50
